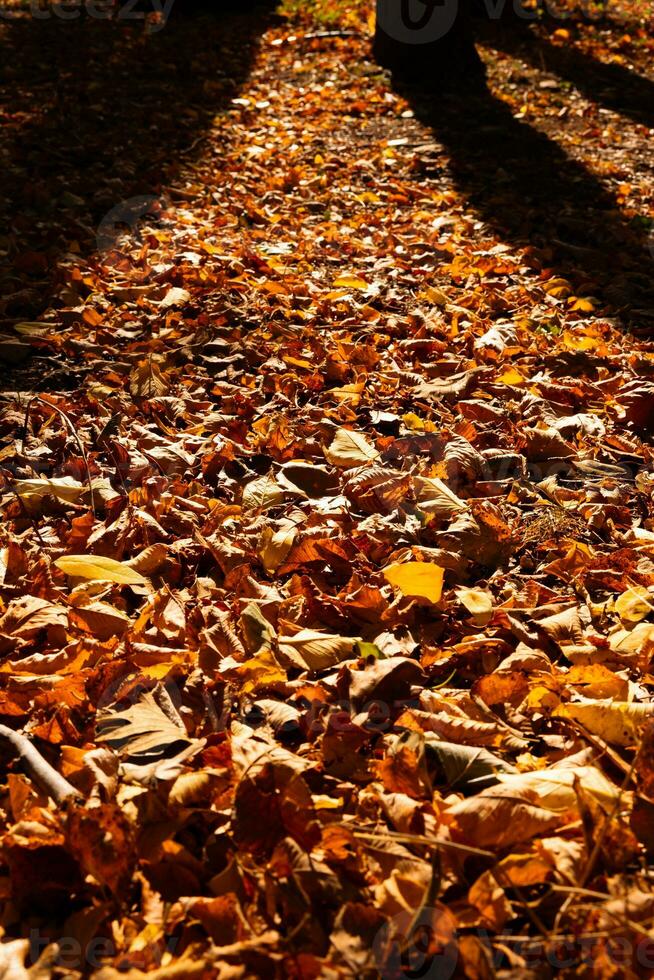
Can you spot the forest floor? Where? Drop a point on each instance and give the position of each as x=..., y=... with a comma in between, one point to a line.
x=326, y=473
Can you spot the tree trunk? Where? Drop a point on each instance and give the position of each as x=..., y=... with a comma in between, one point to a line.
x=427, y=41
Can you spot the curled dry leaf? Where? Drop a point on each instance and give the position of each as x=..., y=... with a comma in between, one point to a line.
x=64, y=488
x=144, y=733
x=313, y=480
x=478, y=602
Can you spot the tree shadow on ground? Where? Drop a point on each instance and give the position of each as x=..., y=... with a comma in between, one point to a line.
x=97, y=112
x=532, y=194
x=615, y=86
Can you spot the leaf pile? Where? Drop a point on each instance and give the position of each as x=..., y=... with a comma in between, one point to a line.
x=327, y=581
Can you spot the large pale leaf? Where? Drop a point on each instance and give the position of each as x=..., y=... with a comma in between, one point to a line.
x=312, y=650
x=95, y=567
x=634, y=604
x=274, y=546
x=435, y=497
x=350, y=448
x=478, y=602
x=617, y=722
x=349, y=281
x=64, y=488
x=524, y=805
x=261, y=494
x=257, y=630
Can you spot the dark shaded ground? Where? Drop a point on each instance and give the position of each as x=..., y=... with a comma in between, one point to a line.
x=531, y=192
x=96, y=112
x=613, y=85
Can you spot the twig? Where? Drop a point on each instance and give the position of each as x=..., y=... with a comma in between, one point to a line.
x=75, y=435
x=600, y=745
x=420, y=839
x=41, y=771
x=536, y=941
x=320, y=34
x=592, y=857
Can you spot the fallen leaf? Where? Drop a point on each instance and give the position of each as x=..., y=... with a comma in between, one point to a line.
x=98, y=568
x=311, y=650
x=349, y=449
x=618, y=723
x=416, y=579
x=350, y=282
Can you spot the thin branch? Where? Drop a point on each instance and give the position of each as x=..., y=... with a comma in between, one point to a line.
x=41, y=771
x=420, y=839
x=75, y=435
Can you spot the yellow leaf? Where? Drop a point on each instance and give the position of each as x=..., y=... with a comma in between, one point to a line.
x=322, y=802
x=597, y=681
x=416, y=424
x=313, y=650
x=157, y=671
x=260, y=671
x=634, y=604
x=617, y=722
x=559, y=288
x=349, y=393
x=539, y=698
x=575, y=341
x=96, y=567
x=583, y=305
x=435, y=296
x=511, y=377
x=298, y=362
x=421, y=579
x=64, y=488
x=351, y=282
